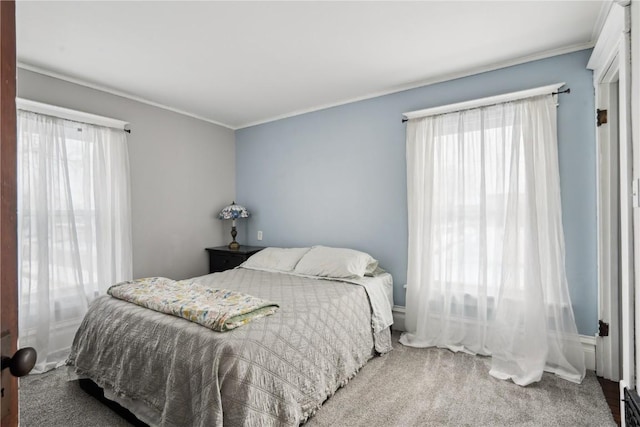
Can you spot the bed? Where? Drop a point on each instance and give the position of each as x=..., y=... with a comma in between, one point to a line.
x=276, y=370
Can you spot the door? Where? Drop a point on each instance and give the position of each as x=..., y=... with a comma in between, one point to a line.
x=8, y=235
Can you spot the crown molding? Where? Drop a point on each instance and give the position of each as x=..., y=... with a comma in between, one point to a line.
x=116, y=92
x=400, y=88
x=438, y=79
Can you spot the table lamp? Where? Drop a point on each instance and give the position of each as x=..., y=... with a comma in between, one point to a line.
x=233, y=212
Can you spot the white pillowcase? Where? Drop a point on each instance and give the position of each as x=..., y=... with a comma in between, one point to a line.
x=323, y=261
x=275, y=259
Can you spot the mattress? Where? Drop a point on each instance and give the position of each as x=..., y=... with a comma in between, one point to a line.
x=276, y=370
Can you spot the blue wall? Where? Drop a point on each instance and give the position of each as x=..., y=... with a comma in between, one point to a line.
x=338, y=176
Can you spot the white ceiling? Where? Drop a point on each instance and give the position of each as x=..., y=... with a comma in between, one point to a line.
x=242, y=63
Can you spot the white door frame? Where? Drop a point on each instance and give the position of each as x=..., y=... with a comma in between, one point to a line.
x=608, y=219
x=611, y=62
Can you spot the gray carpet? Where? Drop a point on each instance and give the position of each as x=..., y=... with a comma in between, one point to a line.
x=407, y=387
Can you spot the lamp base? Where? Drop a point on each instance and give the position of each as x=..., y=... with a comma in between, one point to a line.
x=234, y=246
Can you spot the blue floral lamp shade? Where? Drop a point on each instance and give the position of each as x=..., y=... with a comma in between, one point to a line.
x=233, y=212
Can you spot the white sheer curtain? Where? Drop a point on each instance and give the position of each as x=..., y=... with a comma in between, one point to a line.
x=74, y=233
x=486, y=269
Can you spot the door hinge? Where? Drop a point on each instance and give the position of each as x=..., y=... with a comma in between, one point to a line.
x=601, y=117
x=603, y=329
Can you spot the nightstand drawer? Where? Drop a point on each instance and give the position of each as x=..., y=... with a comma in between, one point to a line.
x=222, y=258
x=224, y=262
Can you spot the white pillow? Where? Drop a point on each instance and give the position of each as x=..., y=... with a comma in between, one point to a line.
x=323, y=261
x=275, y=259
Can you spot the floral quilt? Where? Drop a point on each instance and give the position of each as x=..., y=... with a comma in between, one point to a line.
x=217, y=309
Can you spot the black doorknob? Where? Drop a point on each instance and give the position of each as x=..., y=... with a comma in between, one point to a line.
x=21, y=363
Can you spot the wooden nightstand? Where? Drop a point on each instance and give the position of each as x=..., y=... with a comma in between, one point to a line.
x=222, y=258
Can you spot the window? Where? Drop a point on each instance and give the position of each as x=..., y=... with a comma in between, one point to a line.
x=486, y=250
x=74, y=237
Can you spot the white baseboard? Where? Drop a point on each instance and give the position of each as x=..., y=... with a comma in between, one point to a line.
x=398, y=312
x=589, y=349
x=588, y=342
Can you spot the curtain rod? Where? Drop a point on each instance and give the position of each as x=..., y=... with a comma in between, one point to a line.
x=74, y=121
x=69, y=114
x=497, y=98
